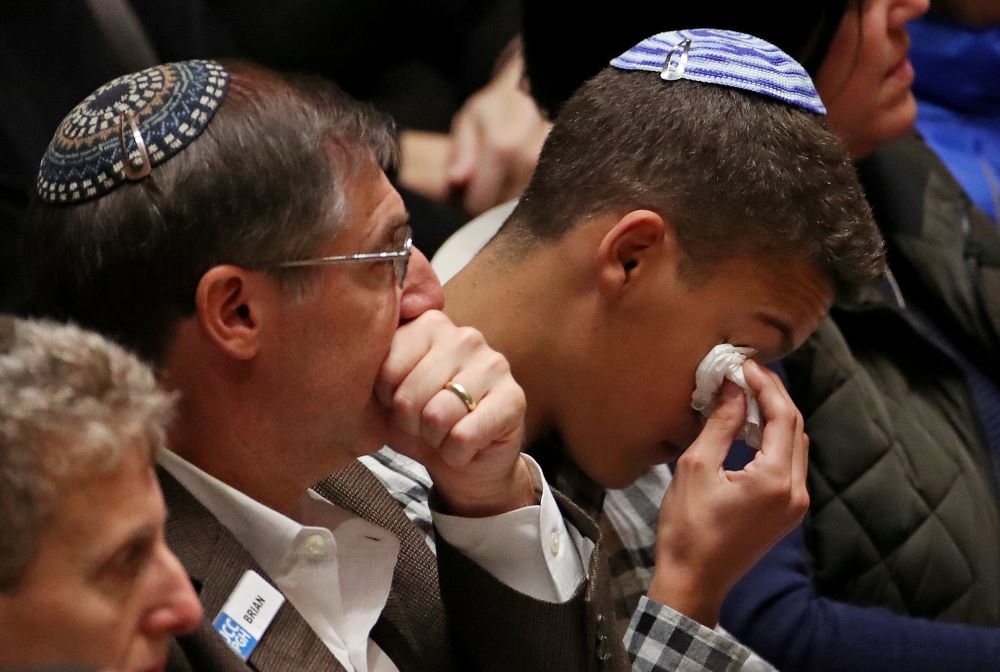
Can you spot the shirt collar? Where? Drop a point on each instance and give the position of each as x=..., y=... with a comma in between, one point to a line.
x=273, y=539
x=267, y=535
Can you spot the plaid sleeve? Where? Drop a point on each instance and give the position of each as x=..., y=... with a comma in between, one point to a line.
x=409, y=483
x=660, y=639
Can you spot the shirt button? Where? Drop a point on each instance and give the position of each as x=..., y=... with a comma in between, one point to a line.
x=314, y=546
x=603, y=654
x=554, y=543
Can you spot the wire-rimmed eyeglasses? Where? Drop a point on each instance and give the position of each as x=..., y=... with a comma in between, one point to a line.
x=400, y=259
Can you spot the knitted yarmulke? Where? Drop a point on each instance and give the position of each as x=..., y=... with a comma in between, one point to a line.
x=128, y=126
x=725, y=58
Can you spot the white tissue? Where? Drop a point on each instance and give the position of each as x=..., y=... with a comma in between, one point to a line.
x=726, y=362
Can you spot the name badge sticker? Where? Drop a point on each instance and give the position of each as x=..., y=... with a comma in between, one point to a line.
x=247, y=613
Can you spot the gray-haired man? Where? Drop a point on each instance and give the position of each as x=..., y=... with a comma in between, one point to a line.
x=85, y=574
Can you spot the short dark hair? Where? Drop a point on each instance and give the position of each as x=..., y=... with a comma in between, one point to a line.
x=737, y=174
x=264, y=182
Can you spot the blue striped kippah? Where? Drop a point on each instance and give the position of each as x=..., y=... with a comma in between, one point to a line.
x=128, y=126
x=725, y=58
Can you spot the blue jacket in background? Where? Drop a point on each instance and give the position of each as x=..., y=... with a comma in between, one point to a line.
x=958, y=102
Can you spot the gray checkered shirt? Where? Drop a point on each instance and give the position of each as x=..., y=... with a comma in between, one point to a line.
x=656, y=637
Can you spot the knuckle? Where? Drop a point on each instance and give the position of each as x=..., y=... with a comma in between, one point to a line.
x=432, y=323
x=436, y=318
x=515, y=403
x=783, y=409
x=507, y=147
x=729, y=414
x=691, y=461
x=461, y=438
x=404, y=404
x=497, y=364
x=521, y=397
x=469, y=338
x=722, y=419
x=779, y=491
x=800, y=503
x=509, y=399
x=388, y=380
x=434, y=416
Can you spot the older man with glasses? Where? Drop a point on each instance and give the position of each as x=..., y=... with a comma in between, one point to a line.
x=230, y=225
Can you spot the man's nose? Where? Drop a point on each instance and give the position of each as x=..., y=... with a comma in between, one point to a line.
x=422, y=289
x=178, y=610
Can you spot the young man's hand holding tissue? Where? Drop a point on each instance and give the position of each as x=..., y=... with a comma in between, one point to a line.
x=715, y=524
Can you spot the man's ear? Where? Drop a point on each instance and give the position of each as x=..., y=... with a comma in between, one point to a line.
x=229, y=301
x=631, y=248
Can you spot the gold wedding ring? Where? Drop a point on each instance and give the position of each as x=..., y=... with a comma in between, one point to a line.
x=461, y=393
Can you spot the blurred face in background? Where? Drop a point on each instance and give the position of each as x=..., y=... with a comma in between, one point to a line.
x=102, y=590
x=865, y=79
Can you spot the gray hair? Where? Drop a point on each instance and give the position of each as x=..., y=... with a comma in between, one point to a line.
x=71, y=404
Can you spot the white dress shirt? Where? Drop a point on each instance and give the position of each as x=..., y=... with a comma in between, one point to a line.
x=336, y=568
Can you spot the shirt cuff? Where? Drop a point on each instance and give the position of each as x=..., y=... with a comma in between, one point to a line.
x=530, y=549
x=659, y=639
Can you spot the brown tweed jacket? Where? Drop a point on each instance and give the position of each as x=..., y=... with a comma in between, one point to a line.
x=492, y=627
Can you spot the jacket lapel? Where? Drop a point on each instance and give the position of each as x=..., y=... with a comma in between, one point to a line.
x=216, y=561
x=412, y=629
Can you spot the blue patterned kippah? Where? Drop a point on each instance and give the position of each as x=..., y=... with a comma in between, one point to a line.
x=128, y=126
x=725, y=58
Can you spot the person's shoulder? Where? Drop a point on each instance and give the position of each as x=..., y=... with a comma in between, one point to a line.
x=902, y=178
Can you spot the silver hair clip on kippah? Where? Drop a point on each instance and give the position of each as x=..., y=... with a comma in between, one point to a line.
x=132, y=171
x=675, y=70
